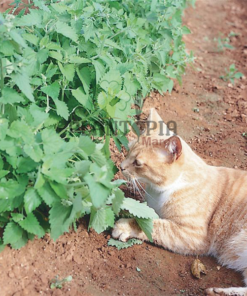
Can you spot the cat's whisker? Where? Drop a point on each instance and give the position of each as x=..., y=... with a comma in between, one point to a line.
x=144, y=189
x=137, y=188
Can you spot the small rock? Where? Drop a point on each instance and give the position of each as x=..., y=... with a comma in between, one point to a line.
x=197, y=268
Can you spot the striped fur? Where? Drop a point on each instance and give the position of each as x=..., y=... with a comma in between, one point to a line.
x=202, y=208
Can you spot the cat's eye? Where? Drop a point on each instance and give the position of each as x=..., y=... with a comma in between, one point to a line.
x=137, y=163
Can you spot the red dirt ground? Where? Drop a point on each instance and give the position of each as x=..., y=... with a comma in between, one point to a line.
x=215, y=132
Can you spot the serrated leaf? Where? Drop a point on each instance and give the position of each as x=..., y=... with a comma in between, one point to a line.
x=53, y=146
x=99, y=69
x=12, y=233
x=85, y=76
x=87, y=145
x=19, y=129
x=56, y=55
x=117, y=200
x=9, y=189
x=62, y=109
x=67, y=70
x=123, y=245
x=22, y=81
x=31, y=38
x=98, y=157
x=33, y=18
x=10, y=96
x=3, y=128
x=21, y=242
x=66, y=30
x=34, y=151
x=98, y=192
x=31, y=225
x=61, y=217
x=25, y=165
x=147, y=226
x=52, y=90
x=40, y=181
x=48, y=194
x=59, y=189
x=31, y=200
x=112, y=81
x=17, y=217
x=140, y=210
x=78, y=60
x=101, y=219
x=83, y=98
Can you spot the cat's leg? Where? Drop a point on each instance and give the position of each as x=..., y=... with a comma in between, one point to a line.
x=226, y=291
x=229, y=291
x=175, y=237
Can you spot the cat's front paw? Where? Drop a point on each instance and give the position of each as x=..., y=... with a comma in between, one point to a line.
x=125, y=229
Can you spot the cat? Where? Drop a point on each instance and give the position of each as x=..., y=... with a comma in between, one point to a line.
x=202, y=209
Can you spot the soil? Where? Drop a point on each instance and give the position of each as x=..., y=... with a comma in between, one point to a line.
x=211, y=115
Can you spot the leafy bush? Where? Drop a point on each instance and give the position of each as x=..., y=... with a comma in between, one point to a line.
x=69, y=74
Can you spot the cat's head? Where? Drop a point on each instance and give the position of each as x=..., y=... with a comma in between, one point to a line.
x=154, y=159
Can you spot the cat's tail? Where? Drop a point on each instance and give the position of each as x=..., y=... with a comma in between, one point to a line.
x=229, y=291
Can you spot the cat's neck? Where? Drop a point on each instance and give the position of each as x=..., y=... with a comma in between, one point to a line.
x=158, y=196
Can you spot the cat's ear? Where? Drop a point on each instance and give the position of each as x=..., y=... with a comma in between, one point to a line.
x=172, y=148
x=155, y=124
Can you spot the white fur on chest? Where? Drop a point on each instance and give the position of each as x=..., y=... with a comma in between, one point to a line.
x=157, y=197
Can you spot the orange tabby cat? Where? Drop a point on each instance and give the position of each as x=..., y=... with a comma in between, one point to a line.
x=202, y=208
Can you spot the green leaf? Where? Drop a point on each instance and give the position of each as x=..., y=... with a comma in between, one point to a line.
x=53, y=146
x=9, y=189
x=62, y=109
x=21, y=242
x=48, y=194
x=12, y=233
x=83, y=98
x=17, y=217
x=99, y=69
x=98, y=157
x=31, y=38
x=34, y=151
x=22, y=81
x=33, y=18
x=25, y=165
x=140, y=210
x=19, y=129
x=52, y=90
x=101, y=219
x=10, y=96
x=78, y=60
x=59, y=189
x=117, y=200
x=85, y=76
x=112, y=81
x=147, y=226
x=61, y=217
x=66, y=30
x=31, y=200
x=98, y=192
x=3, y=128
x=31, y=224
x=68, y=71
x=87, y=145
x=123, y=245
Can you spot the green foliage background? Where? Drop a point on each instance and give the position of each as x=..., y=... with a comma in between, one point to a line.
x=70, y=72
